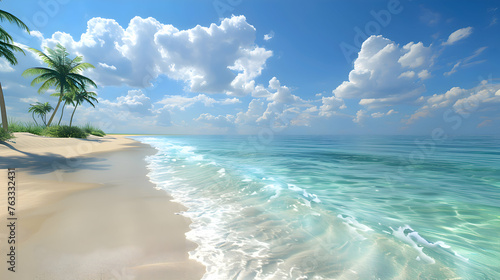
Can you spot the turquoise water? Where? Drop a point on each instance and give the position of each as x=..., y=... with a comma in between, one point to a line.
x=319, y=207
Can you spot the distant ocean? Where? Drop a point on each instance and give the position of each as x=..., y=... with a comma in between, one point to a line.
x=336, y=207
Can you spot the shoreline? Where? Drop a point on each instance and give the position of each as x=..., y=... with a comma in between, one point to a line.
x=87, y=210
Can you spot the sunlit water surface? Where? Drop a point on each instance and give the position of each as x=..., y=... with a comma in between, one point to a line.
x=321, y=207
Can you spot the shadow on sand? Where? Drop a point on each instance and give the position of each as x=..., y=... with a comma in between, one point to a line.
x=49, y=162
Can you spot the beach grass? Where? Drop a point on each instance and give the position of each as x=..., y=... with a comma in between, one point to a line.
x=61, y=131
x=4, y=135
x=90, y=129
x=17, y=126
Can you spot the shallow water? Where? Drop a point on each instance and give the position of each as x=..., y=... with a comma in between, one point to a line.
x=336, y=207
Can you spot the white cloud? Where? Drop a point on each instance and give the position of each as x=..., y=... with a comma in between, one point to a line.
x=182, y=102
x=104, y=65
x=330, y=105
x=269, y=36
x=360, y=117
x=380, y=76
x=37, y=34
x=453, y=70
x=134, y=101
x=416, y=55
x=5, y=65
x=216, y=59
x=475, y=100
x=382, y=114
x=229, y=101
x=29, y=100
x=424, y=74
x=220, y=120
x=255, y=110
x=458, y=35
x=466, y=61
x=407, y=74
x=462, y=101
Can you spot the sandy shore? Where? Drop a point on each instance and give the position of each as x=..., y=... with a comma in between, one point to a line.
x=85, y=210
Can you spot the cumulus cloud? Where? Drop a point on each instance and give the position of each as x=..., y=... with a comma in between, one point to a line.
x=131, y=111
x=220, y=120
x=424, y=74
x=283, y=107
x=360, y=117
x=182, y=102
x=133, y=101
x=416, y=55
x=458, y=35
x=461, y=101
x=255, y=110
x=216, y=59
x=330, y=105
x=381, y=75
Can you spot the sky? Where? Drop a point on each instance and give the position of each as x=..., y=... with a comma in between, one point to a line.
x=270, y=67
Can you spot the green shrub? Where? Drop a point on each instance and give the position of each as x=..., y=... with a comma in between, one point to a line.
x=15, y=126
x=88, y=128
x=4, y=135
x=64, y=131
x=98, y=132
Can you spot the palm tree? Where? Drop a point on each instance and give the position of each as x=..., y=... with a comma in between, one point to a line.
x=68, y=99
x=41, y=109
x=33, y=110
x=79, y=97
x=7, y=49
x=62, y=72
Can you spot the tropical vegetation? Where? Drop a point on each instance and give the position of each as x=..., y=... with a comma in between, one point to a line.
x=62, y=72
x=55, y=130
x=7, y=49
x=40, y=109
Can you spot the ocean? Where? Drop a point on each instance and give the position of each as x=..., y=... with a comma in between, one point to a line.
x=336, y=207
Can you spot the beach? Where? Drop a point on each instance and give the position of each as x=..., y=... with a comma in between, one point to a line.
x=85, y=209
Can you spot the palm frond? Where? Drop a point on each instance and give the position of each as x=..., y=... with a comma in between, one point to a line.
x=13, y=19
x=5, y=36
x=80, y=67
x=45, y=86
x=42, y=78
x=7, y=53
x=37, y=71
x=45, y=58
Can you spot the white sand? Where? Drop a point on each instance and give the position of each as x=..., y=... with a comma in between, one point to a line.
x=86, y=210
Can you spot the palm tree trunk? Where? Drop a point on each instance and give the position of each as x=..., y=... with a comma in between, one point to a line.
x=4, y=111
x=62, y=112
x=33, y=116
x=57, y=106
x=71, y=120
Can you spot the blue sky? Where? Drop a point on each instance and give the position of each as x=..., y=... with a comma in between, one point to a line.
x=280, y=67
